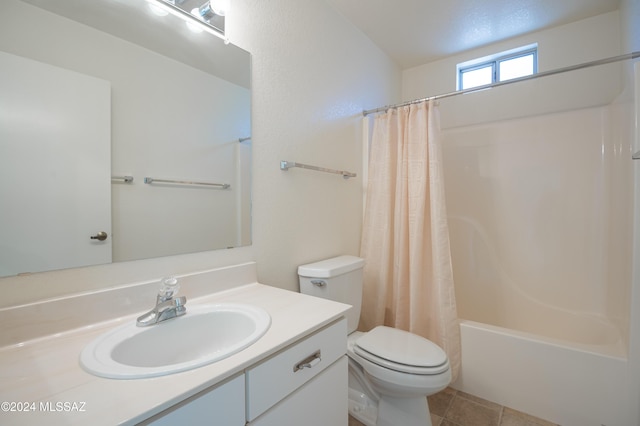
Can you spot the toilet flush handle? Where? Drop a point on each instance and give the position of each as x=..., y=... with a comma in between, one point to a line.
x=319, y=283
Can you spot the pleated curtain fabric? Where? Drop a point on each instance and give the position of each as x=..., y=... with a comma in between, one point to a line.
x=408, y=278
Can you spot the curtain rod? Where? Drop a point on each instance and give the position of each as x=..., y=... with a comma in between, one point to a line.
x=624, y=57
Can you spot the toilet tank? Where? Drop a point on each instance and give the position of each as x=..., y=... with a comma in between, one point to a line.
x=338, y=279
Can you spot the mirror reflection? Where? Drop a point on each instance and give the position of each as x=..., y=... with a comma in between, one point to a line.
x=97, y=92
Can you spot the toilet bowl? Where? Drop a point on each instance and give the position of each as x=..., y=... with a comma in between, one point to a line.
x=398, y=370
x=391, y=371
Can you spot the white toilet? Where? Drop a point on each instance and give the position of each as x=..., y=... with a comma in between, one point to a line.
x=390, y=371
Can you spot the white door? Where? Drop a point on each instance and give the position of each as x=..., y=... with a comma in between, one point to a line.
x=55, y=162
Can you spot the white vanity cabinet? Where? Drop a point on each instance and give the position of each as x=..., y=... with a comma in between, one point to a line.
x=305, y=383
x=221, y=405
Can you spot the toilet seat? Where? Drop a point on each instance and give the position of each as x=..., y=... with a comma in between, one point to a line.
x=401, y=351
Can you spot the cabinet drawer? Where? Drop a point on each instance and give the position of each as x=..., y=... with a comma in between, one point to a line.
x=321, y=401
x=278, y=376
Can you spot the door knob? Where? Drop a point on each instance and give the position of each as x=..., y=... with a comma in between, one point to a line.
x=100, y=236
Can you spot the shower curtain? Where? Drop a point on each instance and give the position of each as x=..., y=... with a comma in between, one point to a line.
x=408, y=279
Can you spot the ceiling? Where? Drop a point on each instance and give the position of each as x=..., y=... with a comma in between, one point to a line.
x=415, y=32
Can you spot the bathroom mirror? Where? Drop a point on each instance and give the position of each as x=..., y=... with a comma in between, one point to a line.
x=174, y=107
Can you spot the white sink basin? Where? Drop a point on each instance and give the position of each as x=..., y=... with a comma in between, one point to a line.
x=205, y=334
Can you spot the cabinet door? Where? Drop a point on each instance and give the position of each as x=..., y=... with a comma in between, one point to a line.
x=321, y=401
x=221, y=406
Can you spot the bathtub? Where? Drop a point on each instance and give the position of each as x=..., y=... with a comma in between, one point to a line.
x=567, y=366
x=571, y=384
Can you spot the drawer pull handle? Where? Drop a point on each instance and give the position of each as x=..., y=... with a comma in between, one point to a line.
x=308, y=362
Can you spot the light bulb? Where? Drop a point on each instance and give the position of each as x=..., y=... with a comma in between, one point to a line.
x=190, y=18
x=220, y=7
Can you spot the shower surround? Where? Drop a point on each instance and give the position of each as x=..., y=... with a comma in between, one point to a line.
x=540, y=211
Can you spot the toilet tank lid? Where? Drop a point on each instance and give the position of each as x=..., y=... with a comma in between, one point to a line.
x=331, y=267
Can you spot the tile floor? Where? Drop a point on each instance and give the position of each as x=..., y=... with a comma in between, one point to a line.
x=454, y=408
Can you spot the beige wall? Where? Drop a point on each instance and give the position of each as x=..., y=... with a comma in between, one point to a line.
x=630, y=16
x=313, y=75
x=582, y=41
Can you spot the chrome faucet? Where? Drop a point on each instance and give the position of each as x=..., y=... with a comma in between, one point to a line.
x=167, y=306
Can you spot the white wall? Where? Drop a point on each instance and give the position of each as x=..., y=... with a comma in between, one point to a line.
x=630, y=16
x=313, y=74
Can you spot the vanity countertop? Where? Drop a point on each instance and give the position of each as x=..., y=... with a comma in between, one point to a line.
x=43, y=383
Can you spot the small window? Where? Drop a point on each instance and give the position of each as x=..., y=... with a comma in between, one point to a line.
x=477, y=76
x=501, y=67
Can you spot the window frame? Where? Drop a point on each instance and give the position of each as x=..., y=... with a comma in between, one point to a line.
x=494, y=62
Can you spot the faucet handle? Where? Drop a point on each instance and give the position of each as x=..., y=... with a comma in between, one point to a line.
x=168, y=288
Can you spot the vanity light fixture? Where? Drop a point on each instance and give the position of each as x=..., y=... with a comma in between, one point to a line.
x=160, y=11
x=196, y=21
x=212, y=12
x=220, y=7
x=210, y=9
x=196, y=28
